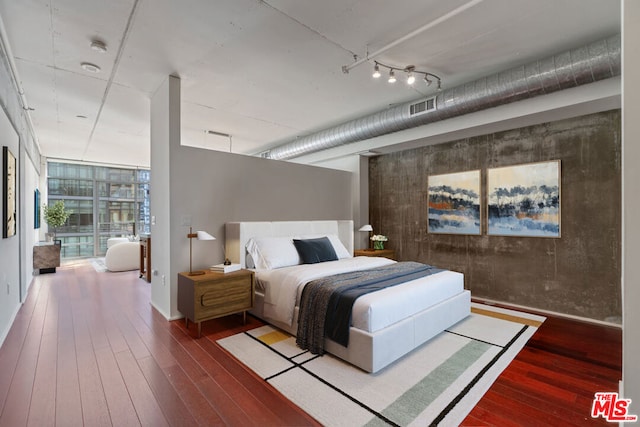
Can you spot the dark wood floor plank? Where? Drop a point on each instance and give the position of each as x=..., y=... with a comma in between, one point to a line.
x=144, y=401
x=202, y=411
x=42, y=410
x=171, y=403
x=121, y=410
x=95, y=411
x=68, y=403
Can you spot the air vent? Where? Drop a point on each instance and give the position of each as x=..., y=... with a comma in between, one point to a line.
x=422, y=107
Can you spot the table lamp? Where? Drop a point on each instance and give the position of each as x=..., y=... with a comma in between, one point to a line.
x=368, y=228
x=200, y=235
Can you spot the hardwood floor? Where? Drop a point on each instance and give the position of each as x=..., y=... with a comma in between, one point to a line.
x=87, y=348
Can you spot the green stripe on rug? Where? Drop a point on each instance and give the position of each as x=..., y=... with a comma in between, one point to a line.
x=410, y=404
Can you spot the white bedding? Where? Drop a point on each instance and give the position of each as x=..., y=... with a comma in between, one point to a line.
x=282, y=288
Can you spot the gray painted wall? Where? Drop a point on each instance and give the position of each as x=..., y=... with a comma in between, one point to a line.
x=578, y=274
x=210, y=188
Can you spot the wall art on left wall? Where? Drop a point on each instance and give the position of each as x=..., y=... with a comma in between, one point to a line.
x=454, y=203
x=9, y=191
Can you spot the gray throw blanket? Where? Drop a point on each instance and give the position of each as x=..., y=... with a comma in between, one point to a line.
x=326, y=303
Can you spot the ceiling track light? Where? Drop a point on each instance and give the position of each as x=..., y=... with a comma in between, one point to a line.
x=410, y=71
x=411, y=79
x=376, y=72
x=392, y=76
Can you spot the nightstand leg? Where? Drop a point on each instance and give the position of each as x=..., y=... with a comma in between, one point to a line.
x=244, y=317
x=199, y=328
x=186, y=322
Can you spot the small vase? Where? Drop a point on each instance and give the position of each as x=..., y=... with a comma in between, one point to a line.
x=378, y=244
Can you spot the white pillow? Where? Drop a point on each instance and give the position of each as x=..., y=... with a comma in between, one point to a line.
x=273, y=252
x=341, y=251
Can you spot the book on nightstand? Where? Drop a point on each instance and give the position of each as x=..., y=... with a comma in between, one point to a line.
x=221, y=268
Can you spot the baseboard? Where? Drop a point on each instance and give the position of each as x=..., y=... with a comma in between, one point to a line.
x=546, y=312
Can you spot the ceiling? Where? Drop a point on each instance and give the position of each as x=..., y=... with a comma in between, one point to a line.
x=264, y=72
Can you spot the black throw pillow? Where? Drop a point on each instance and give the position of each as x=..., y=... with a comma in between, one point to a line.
x=313, y=251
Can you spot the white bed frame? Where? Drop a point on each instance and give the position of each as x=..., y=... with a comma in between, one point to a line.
x=368, y=351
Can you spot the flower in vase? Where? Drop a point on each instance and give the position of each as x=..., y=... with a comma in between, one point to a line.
x=378, y=241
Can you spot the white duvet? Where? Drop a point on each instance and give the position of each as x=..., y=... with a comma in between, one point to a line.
x=282, y=286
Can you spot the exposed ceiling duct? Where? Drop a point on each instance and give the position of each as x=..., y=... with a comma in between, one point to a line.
x=597, y=61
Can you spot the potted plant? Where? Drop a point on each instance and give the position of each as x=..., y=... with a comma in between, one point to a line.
x=55, y=216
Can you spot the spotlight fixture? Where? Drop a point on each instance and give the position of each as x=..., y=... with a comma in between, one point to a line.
x=376, y=72
x=392, y=76
x=411, y=79
x=409, y=70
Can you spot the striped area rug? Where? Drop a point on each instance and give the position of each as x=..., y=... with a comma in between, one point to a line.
x=437, y=384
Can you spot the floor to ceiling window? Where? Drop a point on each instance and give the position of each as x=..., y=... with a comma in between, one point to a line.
x=104, y=202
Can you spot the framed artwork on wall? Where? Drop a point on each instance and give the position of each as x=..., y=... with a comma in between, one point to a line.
x=454, y=203
x=9, y=192
x=524, y=200
x=36, y=208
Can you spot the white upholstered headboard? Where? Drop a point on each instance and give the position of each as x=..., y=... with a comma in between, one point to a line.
x=238, y=233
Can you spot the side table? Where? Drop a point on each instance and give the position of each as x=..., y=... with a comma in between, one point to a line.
x=211, y=295
x=387, y=253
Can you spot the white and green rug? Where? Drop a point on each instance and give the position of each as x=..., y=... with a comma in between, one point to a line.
x=436, y=384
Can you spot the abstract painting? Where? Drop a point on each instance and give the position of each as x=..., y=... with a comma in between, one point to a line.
x=36, y=209
x=524, y=200
x=454, y=203
x=9, y=190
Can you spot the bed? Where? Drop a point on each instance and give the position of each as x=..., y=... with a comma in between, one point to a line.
x=386, y=324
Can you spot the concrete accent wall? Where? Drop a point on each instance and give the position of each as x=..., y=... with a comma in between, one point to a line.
x=578, y=274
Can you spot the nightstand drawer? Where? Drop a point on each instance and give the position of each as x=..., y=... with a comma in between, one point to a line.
x=225, y=297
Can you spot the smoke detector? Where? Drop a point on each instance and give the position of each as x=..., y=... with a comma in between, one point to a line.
x=87, y=66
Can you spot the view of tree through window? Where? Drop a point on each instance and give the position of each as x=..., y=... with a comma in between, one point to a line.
x=104, y=202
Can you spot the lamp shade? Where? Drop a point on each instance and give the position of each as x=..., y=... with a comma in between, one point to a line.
x=203, y=235
x=366, y=228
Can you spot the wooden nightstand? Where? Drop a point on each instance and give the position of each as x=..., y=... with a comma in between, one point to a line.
x=387, y=253
x=213, y=295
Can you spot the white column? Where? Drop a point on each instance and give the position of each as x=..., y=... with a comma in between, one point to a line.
x=165, y=137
